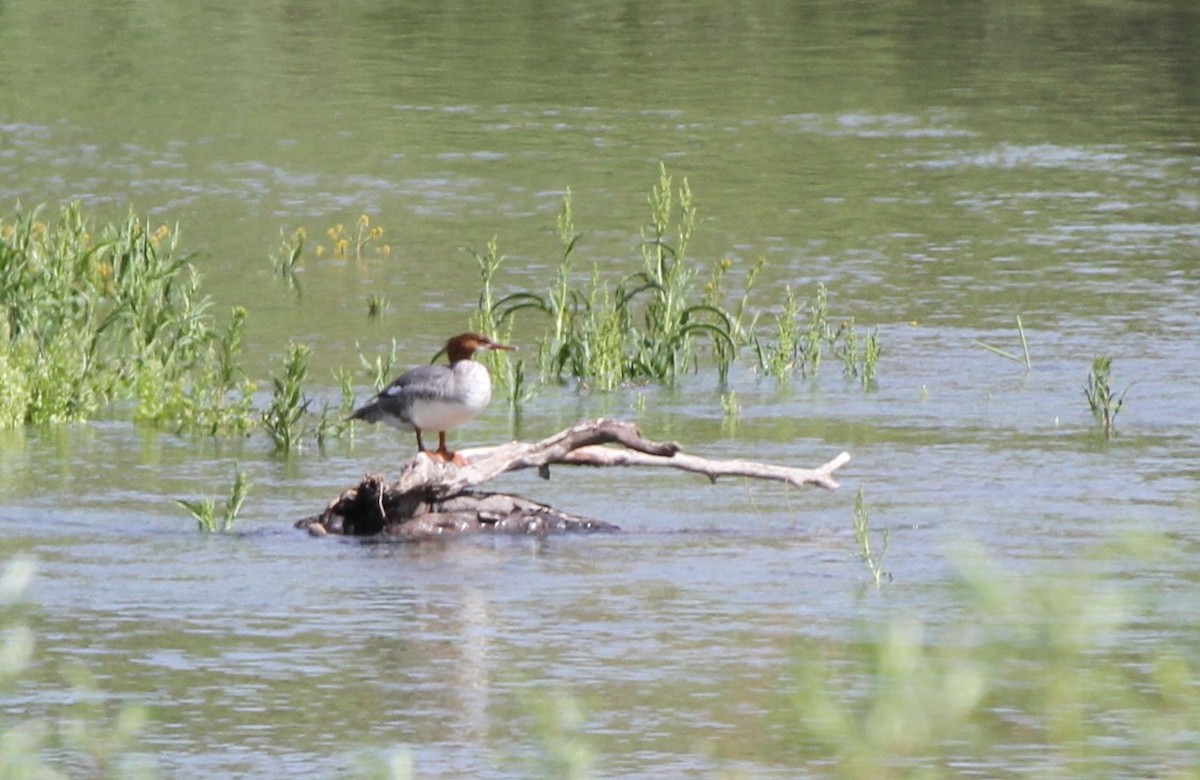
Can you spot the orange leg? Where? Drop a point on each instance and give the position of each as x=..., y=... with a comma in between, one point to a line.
x=446, y=455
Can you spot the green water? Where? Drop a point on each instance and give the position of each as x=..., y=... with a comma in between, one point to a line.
x=940, y=167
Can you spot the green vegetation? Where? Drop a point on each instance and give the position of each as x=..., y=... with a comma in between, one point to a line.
x=1036, y=672
x=507, y=371
x=345, y=244
x=559, y=721
x=645, y=327
x=92, y=737
x=204, y=510
x=659, y=322
x=113, y=321
x=110, y=320
x=291, y=250
x=89, y=318
x=284, y=416
x=1099, y=393
x=803, y=332
x=376, y=305
x=1005, y=354
x=872, y=556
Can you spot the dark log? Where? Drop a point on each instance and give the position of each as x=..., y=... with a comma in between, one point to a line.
x=433, y=498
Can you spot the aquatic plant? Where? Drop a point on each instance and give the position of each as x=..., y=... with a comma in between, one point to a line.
x=204, y=510
x=1035, y=672
x=565, y=749
x=376, y=305
x=871, y=556
x=859, y=356
x=89, y=735
x=508, y=372
x=1009, y=355
x=671, y=320
x=647, y=325
x=803, y=332
x=379, y=370
x=90, y=317
x=345, y=244
x=1099, y=393
x=335, y=422
x=290, y=251
x=284, y=416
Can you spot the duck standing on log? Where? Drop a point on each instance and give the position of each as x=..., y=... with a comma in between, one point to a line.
x=437, y=398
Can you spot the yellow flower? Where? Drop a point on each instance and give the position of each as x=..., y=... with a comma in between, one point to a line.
x=339, y=249
x=335, y=231
x=385, y=250
x=301, y=232
x=320, y=250
x=364, y=220
x=376, y=232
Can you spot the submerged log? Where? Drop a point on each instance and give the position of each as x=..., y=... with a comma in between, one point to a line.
x=433, y=498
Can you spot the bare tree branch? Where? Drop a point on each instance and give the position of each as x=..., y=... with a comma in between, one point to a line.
x=433, y=498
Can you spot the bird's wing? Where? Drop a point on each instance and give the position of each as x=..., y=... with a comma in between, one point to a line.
x=418, y=382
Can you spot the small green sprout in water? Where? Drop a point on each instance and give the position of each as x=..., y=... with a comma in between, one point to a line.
x=376, y=305
x=862, y=535
x=335, y=422
x=782, y=358
x=379, y=371
x=204, y=510
x=859, y=359
x=284, y=415
x=1005, y=354
x=1098, y=391
x=291, y=249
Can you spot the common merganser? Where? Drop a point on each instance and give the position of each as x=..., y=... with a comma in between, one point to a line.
x=436, y=398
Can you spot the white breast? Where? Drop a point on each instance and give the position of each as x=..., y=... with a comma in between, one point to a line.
x=458, y=400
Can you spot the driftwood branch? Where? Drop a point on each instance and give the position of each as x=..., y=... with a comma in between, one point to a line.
x=433, y=498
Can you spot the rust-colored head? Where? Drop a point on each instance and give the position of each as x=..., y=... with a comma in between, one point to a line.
x=464, y=345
